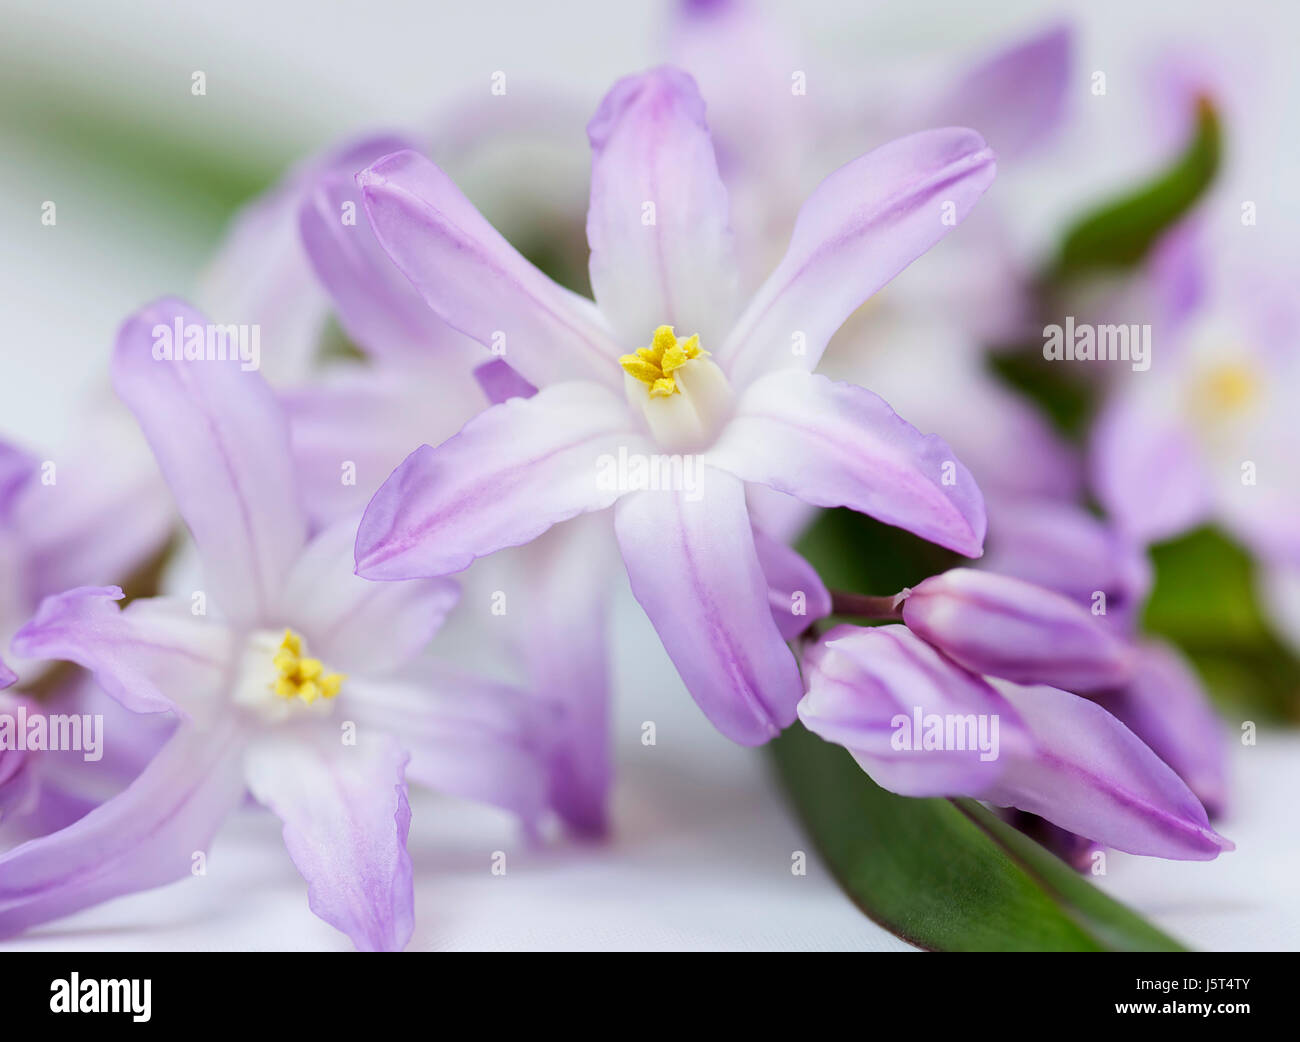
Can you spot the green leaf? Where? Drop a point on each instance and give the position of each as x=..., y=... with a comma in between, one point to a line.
x=852, y=552
x=947, y=875
x=1056, y=390
x=1204, y=601
x=1118, y=234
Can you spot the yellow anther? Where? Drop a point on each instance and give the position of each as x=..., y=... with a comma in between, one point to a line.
x=654, y=365
x=300, y=677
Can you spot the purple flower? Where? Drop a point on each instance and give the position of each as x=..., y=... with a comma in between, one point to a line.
x=1013, y=629
x=423, y=382
x=292, y=678
x=1063, y=547
x=921, y=345
x=93, y=509
x=261, y=274
x=1206, y=433
x=667, y=367
x=921, y=725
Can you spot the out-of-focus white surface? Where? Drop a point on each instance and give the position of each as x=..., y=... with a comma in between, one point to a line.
x=699, y=859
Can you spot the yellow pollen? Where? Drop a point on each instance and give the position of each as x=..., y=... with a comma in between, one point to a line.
x=654, y=365
x=1226, y=389
x=300, y=677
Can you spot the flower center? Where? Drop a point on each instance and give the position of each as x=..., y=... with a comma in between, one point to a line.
x=655, y=365
x=683, y=395
x=301, y=677
x=1225, y=390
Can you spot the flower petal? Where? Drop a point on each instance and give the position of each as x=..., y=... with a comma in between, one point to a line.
x=374, y=301
x=1013, y=629
x=661, y=248
x=1166, y=706
x=515, y=470
x=1065, y=548
x=1048, y=752
x=1148, y=472
x=1093, y=776
x=16, y=470
x=861, y=226
x=352, y=624
x=1017, y=96
x=106, y=514
x=560, y=602
x=152, y=657
x=143, y=837
x=867, y=687
x=695, y=571
x=467, y=736
x=795, y=591
x=346, y=820
x=222, y=443
x=834, y=444
x=354, y=425
x=261, y=273
x=477, y=282
x=500, y=383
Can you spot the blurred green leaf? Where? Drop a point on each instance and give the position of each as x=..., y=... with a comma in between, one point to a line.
x=1056, y=389
x=852, y=552
x=1118, y=234
x=947, y=875
x=1204, y=601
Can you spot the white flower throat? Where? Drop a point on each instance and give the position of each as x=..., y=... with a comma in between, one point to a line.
x=279, y=681
x=684, y=396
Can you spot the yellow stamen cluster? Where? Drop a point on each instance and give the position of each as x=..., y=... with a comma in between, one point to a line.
x=1226, y=389
x=300, y=677
x=654, y=365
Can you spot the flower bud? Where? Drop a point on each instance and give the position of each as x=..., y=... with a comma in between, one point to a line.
x=1008, y=628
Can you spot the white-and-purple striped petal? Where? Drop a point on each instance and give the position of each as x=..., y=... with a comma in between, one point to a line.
x=836, y=444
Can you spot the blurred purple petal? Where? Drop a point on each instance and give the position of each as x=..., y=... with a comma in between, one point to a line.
x=1148, y=471
x=562, y=601
x=1064, y=548
x=261, y=273
x=1166, y=706
x=354, y=425
x=1015, y=98
x=467, y=737
x=144, y=837
x=374, y=301
x=501, y=383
